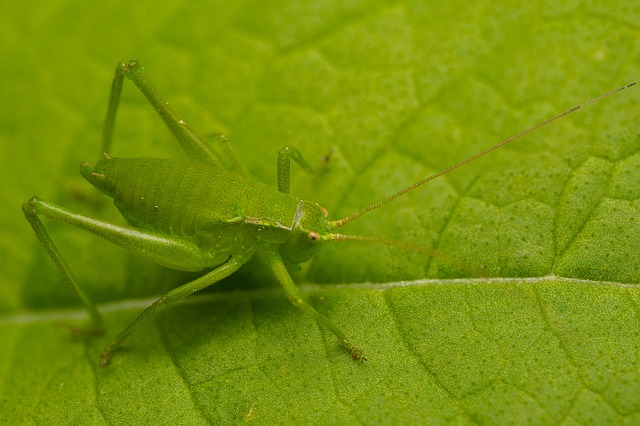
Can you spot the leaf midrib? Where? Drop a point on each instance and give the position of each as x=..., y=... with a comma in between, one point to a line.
x=33, y=316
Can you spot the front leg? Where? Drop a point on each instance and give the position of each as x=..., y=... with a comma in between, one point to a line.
x=285, y=155
x=275, y=262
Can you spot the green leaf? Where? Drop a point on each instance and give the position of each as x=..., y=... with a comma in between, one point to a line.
x=529, y=310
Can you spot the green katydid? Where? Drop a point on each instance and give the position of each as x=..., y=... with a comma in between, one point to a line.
x=197, y=214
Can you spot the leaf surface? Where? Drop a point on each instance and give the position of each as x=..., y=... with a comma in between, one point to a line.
x=527, y=313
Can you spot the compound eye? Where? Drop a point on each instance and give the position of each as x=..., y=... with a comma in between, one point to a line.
x=314, y=236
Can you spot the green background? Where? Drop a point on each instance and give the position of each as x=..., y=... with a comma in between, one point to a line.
x=548, y=333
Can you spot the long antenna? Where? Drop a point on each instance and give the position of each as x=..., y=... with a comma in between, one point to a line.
x=338, y=223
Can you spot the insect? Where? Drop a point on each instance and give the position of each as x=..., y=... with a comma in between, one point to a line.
x=206, y=213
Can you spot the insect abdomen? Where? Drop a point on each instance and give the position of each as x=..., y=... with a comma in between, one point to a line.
x=176, y=198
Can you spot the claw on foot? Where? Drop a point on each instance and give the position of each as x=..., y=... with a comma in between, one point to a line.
x=106, y=353
x=105, y=359
x=356, y=353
